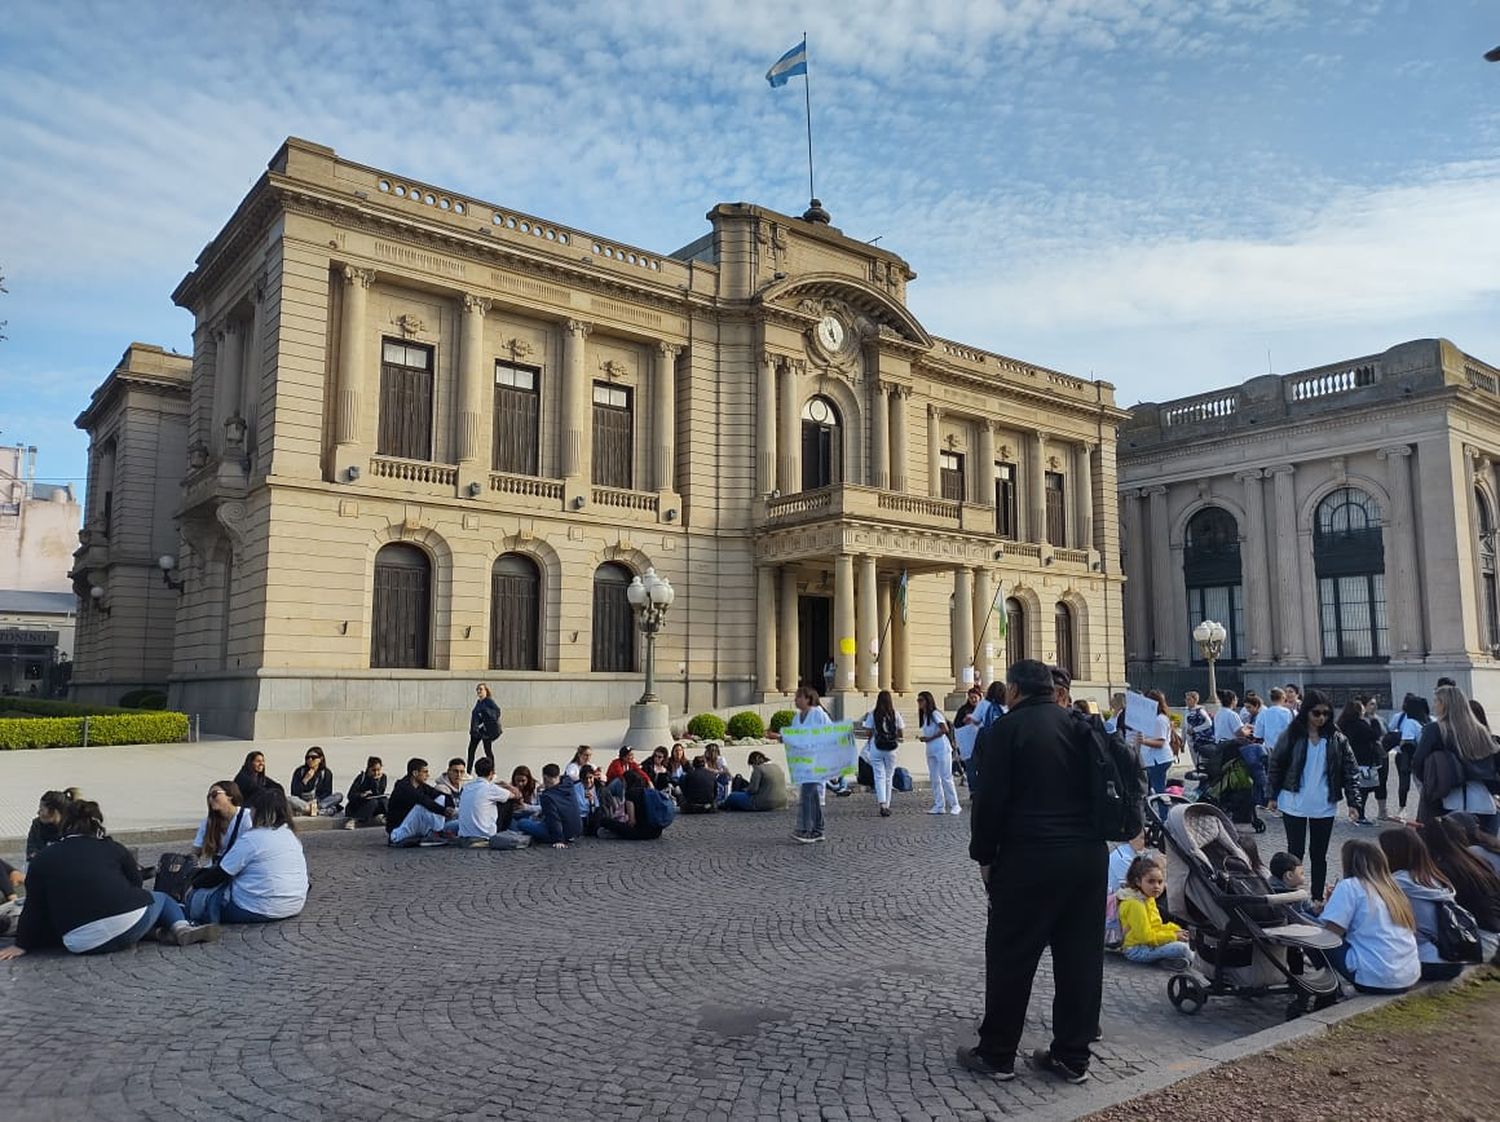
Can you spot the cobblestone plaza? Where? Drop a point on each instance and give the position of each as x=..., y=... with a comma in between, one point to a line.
x=722, y=972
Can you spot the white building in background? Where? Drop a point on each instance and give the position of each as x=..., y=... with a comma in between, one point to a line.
x=38, y=532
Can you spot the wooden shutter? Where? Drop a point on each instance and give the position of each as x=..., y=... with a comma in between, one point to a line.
x=401, y=613
x=405, y=428
x=1005, y=500
x=1015, y=632
x=614, y=623
x=1062, y=619
x=1057, y=513
x=951, y=480
x=517, y=419
x=614, y=446
x=515, y=614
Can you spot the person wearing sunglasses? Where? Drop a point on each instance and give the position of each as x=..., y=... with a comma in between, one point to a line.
x=1312, y=769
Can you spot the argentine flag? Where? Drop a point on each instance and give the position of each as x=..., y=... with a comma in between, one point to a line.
x=788, y=66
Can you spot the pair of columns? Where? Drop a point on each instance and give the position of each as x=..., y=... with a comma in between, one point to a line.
x=236, y=391
x=973, y=627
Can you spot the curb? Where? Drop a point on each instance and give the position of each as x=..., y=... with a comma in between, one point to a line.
x=161, y=835
x=1102, y=1096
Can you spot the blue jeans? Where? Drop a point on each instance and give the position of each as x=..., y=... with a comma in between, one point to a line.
x=163, y=911
x=1338, y=958
x=971, y=773
x=810, y=809
x=214, y=905
x=1156, y=775
x=737, y=800
x=1178, y=954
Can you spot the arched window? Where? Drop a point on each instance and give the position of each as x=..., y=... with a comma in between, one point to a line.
x=1211, y=572
x=822, y=444
x=1349, y=556
x=401, y=613
x=1062, y=626
x=1489, y=598
x=1015, y=631
x=614, y=623
x=515, y=613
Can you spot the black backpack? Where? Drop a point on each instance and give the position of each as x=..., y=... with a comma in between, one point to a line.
x=1457, y=935
x=1117, y=787
x=174, y=874
x=885, y=734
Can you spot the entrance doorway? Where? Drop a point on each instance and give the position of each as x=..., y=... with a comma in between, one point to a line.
x=815, y=638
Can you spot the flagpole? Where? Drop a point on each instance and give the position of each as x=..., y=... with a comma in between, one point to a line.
x=807, y=96
x=984, y=630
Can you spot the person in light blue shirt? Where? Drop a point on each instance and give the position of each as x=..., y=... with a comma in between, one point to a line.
x=1272, y=720
x=1372, y=915
x=1310, y=770
x=1155, y=744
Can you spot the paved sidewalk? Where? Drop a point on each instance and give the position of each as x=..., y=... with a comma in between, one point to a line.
x=155, y=786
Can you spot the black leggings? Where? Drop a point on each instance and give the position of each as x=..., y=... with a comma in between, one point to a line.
x=1403, y=772
x=489, y=749
x=1384, y=774
x=1297, y=830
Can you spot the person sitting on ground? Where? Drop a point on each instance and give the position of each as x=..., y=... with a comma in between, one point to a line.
x=766, y=789
x=678, y=764
x=1120, y=859
x=367, y=798
x=1425, y=888
x=624, y=762
x=452, y=781
x=714, y=757
x=580, y=757
x=1476, y=887
x=417, y=813
x=84, y=893
x=657, y=764
x=1483, y=845
x=312, y=790
x=267, y=870
x=228, y=817
x=525, y=783
x=1368, y=910
x=559, y=821
x=485, y=807
x=252, y=776
x=46, y=827
x=638, y=823
x=586, y=795
x=1146, y=937
x=1287, y=875
x=699, y=789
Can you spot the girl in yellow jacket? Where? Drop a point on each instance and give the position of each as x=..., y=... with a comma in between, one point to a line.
x=1147, y=938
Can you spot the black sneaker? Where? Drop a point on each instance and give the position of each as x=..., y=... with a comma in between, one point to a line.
x=1043, y=1060
x=885, y=812
x=972, y=1059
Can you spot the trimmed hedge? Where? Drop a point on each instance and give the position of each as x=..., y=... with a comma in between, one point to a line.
x=67, y=732
x=705, y=726
x=746, y=726
x=781, y=718
x=42, y=707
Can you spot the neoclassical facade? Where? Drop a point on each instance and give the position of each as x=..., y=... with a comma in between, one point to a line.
x=430, y=440
x=1340, y=521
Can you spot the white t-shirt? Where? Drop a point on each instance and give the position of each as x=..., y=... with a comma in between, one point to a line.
x=1410, y=730
x=479, y=808
x=1272, y=721
x=270, y=872
x=571, y=771
x=1382, y=953
x=934, y=725
x=1226, y=724
x=245, y=817
x=1163, y=731
x=817, y=717
x=868, y=724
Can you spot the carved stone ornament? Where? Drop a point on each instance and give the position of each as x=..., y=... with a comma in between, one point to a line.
x=197, y=454
x=1054, y=463
x=518, y=348
x=410, y=325
x=772, y=239
x=612, y=369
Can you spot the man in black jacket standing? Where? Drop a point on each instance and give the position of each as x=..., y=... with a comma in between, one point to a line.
x=1045, y=867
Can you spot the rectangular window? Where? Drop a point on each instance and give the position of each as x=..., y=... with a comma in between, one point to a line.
x=614, y=445
x=517, y=416
x=405, y=401
x=1226, y=604
x=951, y=464
x=1005, y=501
x=1057, y=510
x=1352, y=613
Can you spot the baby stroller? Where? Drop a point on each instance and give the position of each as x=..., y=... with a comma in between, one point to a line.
x=1247, y=942
x=1158, y=807
x=1226, y=783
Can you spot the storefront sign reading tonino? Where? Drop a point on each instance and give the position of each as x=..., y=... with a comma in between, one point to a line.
x=16, y=636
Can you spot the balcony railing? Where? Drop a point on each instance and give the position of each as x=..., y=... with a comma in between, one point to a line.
x=622, y=499
x=413, y=471
x=528, y=486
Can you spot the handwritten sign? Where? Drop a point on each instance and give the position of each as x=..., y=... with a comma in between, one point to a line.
x=823, y=752
x=1140, y=713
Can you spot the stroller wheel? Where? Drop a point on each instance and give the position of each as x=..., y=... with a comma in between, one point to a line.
x=1186, y=993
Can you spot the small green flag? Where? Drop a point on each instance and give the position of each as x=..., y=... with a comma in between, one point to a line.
x=901, y=595
x=1002, y=616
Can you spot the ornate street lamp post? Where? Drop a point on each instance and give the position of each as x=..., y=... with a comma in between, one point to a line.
x=650, y=597
x=1210, y=637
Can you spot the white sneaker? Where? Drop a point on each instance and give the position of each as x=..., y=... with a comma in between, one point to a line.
x=936, y=810
x=955, y=810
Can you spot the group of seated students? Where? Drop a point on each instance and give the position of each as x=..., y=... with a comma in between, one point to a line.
x=85, y=892
x=1399, y=896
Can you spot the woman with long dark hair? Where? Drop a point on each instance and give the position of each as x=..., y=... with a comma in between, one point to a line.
x=1458, y=732
x=885, y=729
x=1369, y=756
x=228, y=817
x=1311, y=770
x=1474, y=883
x=367, y=797
x=312, y=786
x=1414, y=717
x=1482, y=844
x=1155, y=744
x=267, y=870
x=1425, y=888
x=932, y=730
x=252, y=776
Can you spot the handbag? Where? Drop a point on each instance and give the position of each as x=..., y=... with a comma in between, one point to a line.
x=174, y=874
x=1457, y=933
x=210, y=876
x=1369, y=777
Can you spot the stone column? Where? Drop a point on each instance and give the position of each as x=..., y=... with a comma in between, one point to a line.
x=765, y=613
x=868, y=627
x=900, y=647
x=765, y=426
x=1083, y=494
x=227, y=390
x=880, y=437
x=963, y=623
x=1291, y=645
x=351, y=374
x=789, y=439
x=984, y=470
x=664, y=413
x=250, y=378
x=1163, y=587
x=1255, y=569
x=934, y=450
x=1402, y=580
x=471, y=386
x=984, y=624
x=1036, y=482
x=843, y=621
x=900, y=445
x=787, y=633
x=1138, y=640
x=886, y=629
x=577, y=404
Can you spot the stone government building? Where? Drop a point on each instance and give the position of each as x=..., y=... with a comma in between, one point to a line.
x=425, y=440
x=1340, y=521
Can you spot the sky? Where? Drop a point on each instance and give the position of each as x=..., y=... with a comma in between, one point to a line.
x=1169, y=195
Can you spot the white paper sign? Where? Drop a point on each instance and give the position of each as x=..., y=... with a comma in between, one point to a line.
x=816, y=754
x=1140, y=712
